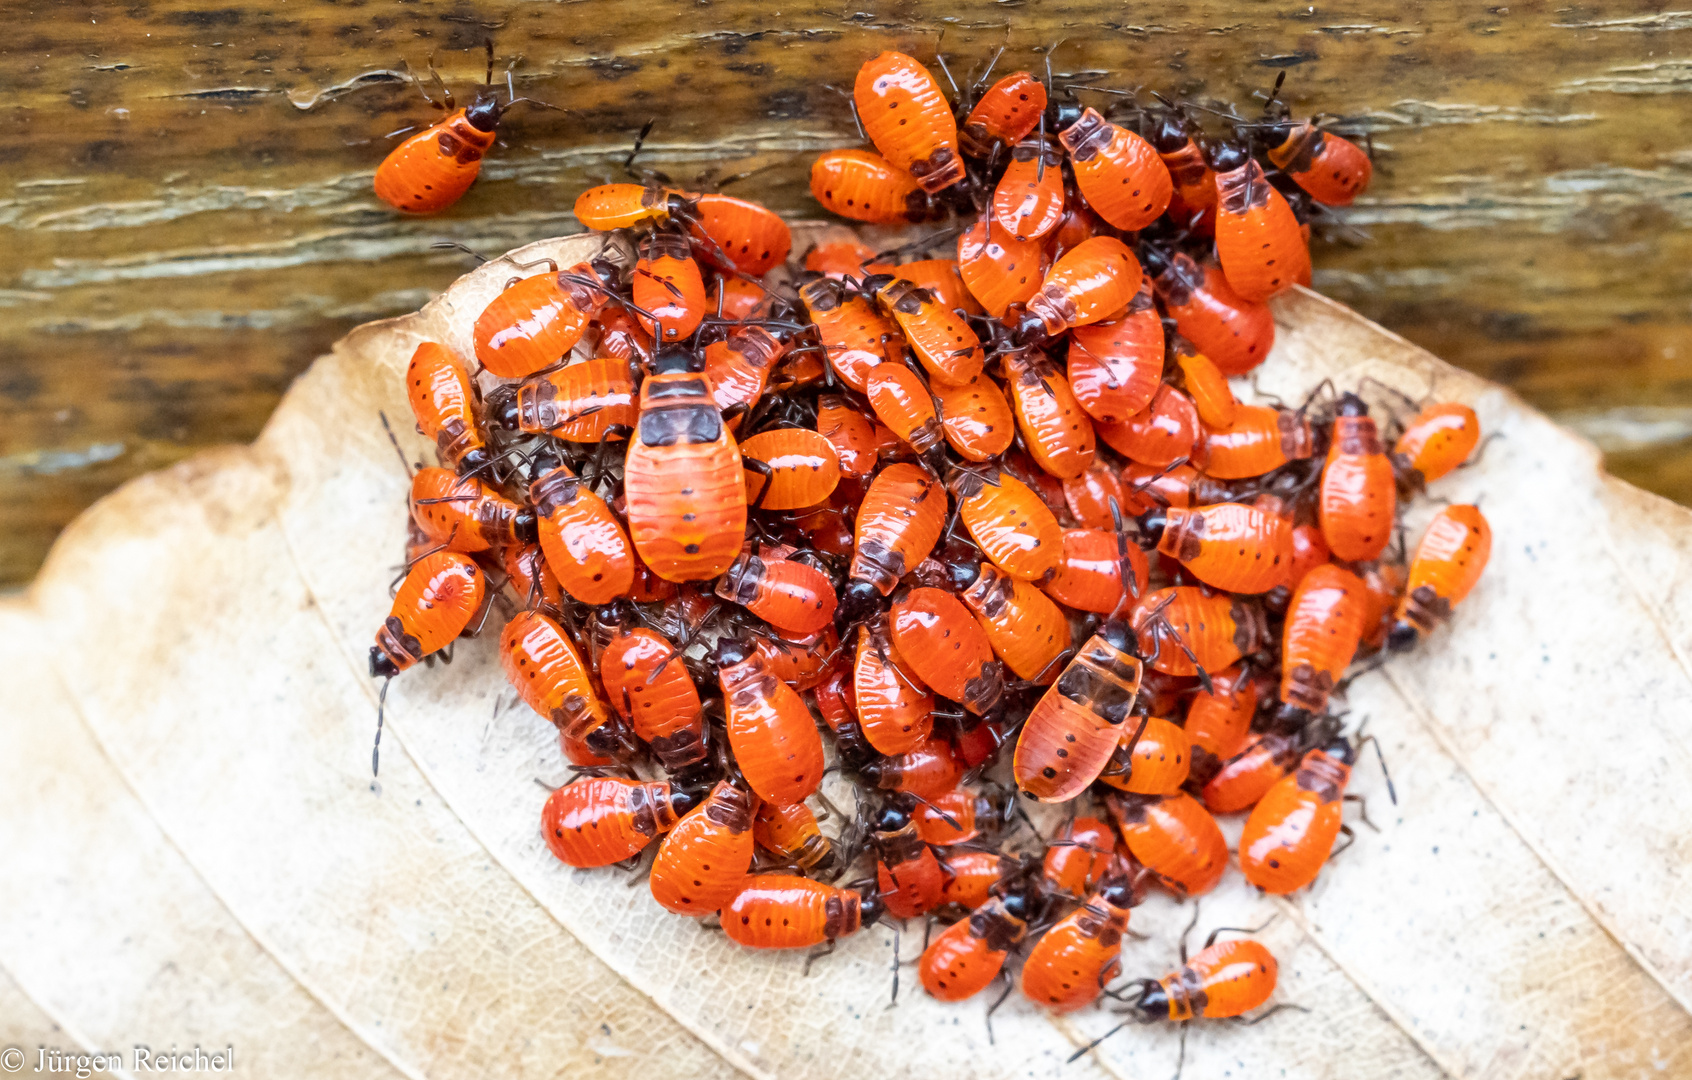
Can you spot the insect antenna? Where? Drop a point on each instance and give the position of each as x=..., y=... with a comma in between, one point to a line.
x=392, y=441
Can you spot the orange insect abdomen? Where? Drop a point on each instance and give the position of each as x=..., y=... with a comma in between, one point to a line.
x=434, y=168
x=1448, y=562
x=1252, y=771
x=790, y=832
x=898, y=524
x=909, y=120
x=1194, y=202
x=1004, y=116
x=1089, y=494
x=584, y=543
x=895, y=708
x=1174, y=837
x=530, y=579
x=1011, y=524
x=851, y=436
x=902, y=402
x=461, y=511
x=444, y=401
x=907, y=874
x=668, y=284
x=536, y=322
x=969, y=954
x=1359, y=496
x=1258, y=240
x=1116, y=366
x=928, y=771
x=1218, y=723
x=580, y=402
x=1029, y=632
x=1206, y=385
x=1159, y=762
x=1093, y=281
x=771, y=732
x=1324, y=625
x=865, y=186
x=1073, y=961
x=1228, y=979
x=1070, y=734
x=738, y=368
x=794, y=597
x=542, y=664
x=804, y=468
x=1090, y=576
x=1218, y=628
x=648, y=683
x=972, y=875
x=1165, y=430
x=942, y=339
x=702, y=862
x=777, y=911
x=942, y=278
x=1438, y=440
x=1028, y=201
x=1292, y=829
x=1230, y=546
x=1262, y=438
x=1234, y=332
x=975, y=417
x=618, y=206
x=1332, y=169
x=1059, y=435
x=1079, y=855
x=599, y=820
x=999, y=269
x=945, y=647
x=683, y=481
x=956, y=817
x=754, y=239
x=441, y=593
x=1120, y=175
x=853, y=330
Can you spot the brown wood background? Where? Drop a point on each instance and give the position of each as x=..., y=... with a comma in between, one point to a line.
x=185, y=184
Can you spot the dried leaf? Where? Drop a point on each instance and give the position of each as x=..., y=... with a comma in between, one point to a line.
x=196, y=852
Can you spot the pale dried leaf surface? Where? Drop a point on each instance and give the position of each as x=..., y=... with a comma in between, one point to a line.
x=1524, y=912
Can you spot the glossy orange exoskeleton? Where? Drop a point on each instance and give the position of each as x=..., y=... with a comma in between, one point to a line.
x=1071, y=733
x=903, y=404
x=445, y=402
x=1153, y=758
x=972, y=877
x=1079, y=856
x=850, y=434
x=682, y=478
x=1253, y=769
x=969, y=954
x=899, y=522
x=1116, y=366
x=779, y=911
x=1218, y=721
x=931, y=770
x=600, y=820
x=1358, y=503
x=1029, y=632
x=620, y=206
x=998, y=269
x=1292, y=829
x=1193, y=205
x=803, y=465
x=941, y=338
x=1206, y=385
x=1004, y=115
x=1091, y=283
x=535, y=321
x=739, y=369
x=943, y=645
x=909, y=120
x=894, y=707
x=584, y=542
x=790, y=833
x=1439, y=439
x=865, y=186
x=1069, y=966
x=792, y=596
x=975, y=418
x=1324, y=625
x=1258, y=239
x=589, y=402
x=961, y=815
x=1225, y=979
x=1334, y=170
x=703, y=859
x=1163, y=432
x=1028, y=201
x=434, y=168
x=441, y=593
x=1058, y=434
x=906, y=871
x=854, y=332
x=1448, y=562
x=1010, y=523
x=1217, y=628
x=466, y=514
x=754, y=238
x=1229, y=546
x=1234, y=332
x=1174, y=837
x=542, y=664
x=647, y=682
x=1120, y=175
x=1262, y=438
x=668, y=285
x=770, y=730
x=1090, y=576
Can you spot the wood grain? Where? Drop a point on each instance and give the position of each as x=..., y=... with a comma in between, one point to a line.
x=184, y=187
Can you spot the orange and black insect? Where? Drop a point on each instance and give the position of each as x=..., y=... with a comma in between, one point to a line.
x=865, y=186
x=1206, y=385
x=1218, y=721
x=854, y=332
x=1230, y=546
x=1089, y=578
x=904, y=405
x=939, y=640
x=1383, y=583
x=1235, y=333
x=1244, y=778
x=668, y=287
x=1116, y=366
x=907, y=117
x=739, y=369
x=1193, y=205
x=703, y=859
x=802, y=468
x=1004, y=115
x=801, y=664
x=445, y=401
x=1058, y=433
x=620, y=206
x=683, y=480
x=1448, y=562
x=1093, y=282
x=1261, y=439
x=1437, y=441
x=906, y=871
x=535, y=321
x=600, y=820
x=941, y=338
x=584, y=542
x=894, y=707
x=1079, y=856
x=434, y=168
x=1071, y=733
x=1028, y=632
x=1088, y=495
x=962, y=815
x=943, y=279
x=647, y=682
x=838, y=259
x=998, y=269
x=790, y=833
x=465, y=514
x=1334, y=170
x=1324, y=626
x=543, y=665
x=1358, y=503
x=850, y=434
x=1165, y=432
x=1009, y=523
x=1028, y=201
x=1069, y=966
x=972, y=877
x=1174, y=837
x=531, y=580
x=753, y=238
x=441, y=593
x=899, y=522
x=779, y=911
x=928, y=772
x=969, y=954
x=590, y=402
x=1153, y=760
x=770, y=730
x=1187, y=630
x=1291, y=831
x=1119, y=174
x=792, y=596
x=975, y=418
x=1258, y=239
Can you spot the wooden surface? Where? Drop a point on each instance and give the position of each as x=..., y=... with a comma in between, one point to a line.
x=184, y=187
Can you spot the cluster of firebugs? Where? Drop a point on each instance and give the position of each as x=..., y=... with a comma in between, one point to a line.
x=875, y=494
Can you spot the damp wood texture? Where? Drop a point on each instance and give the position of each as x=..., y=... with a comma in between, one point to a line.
x=185, y=187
